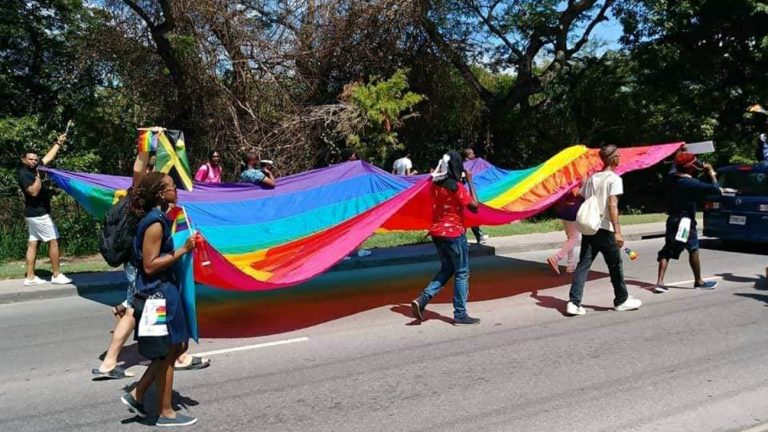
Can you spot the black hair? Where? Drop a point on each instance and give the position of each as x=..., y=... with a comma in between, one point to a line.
x=347, y=153
x=146, y=195
x=213, y=152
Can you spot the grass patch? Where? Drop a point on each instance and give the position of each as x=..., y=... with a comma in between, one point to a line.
x=525, y=227
x=16, y=270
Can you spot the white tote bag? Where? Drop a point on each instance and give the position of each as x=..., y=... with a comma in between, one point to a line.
x=153, y=318
x=592, y=210
x=683, y=230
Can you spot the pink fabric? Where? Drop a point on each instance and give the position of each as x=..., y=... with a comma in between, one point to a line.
x=208, y=174
x=568, y=248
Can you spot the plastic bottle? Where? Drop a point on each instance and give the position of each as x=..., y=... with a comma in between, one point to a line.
x=631, y=254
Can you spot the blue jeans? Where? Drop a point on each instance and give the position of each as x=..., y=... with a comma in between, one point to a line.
x=130, y=275
x=604, y=242
x=454, y=260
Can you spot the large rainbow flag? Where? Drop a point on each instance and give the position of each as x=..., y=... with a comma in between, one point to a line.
x=258, y=239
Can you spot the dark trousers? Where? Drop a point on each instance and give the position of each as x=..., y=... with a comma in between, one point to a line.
x=604, y=242
x=477, y=232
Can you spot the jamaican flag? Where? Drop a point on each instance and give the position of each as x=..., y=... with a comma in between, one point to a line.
x=170, y=152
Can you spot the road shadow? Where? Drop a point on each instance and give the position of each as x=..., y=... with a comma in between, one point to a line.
x=332, y=296
x=760, y=283
x=733, y=246
x=560, y=304
x=405, y=310
x=179, y=402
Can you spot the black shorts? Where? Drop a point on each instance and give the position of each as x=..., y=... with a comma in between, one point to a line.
x=673, y=248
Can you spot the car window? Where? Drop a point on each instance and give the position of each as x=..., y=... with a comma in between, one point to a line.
x=746, y=182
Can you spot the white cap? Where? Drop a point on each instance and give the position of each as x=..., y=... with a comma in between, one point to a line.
x=266, y=162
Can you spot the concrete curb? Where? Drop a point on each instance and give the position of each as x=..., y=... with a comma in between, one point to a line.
x=86, y=284
x=24, y=294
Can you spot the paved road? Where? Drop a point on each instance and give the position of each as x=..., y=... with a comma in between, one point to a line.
x=688, y=360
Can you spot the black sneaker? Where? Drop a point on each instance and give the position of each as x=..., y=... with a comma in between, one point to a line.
x=466, y=320
x=416, y=309
x=133, y=405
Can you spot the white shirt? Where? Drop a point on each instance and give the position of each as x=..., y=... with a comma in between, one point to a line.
x=615, y=187
x=402, y=166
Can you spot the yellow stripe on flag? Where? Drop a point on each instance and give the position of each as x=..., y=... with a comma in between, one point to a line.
x=551, y=166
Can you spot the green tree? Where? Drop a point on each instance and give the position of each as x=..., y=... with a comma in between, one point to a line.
x=382, y=104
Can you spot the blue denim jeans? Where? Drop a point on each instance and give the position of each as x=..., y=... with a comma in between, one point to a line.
x=130, y=275
x=454, y=261
x=604, y=242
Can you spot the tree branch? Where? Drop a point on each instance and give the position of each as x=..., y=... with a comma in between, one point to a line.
x=600, y=17
x=488, y=20
x=453, y=56
x=141, y=13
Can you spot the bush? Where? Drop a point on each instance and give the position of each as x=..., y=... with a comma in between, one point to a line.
x=80, y=233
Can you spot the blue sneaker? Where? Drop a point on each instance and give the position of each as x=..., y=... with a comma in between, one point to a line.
x=133, y=405
x=707, y=285
x=179, y=420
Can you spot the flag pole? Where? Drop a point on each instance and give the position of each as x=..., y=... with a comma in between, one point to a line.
x=204, y=254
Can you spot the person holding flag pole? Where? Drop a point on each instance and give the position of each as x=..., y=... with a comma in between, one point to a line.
x=125, y=325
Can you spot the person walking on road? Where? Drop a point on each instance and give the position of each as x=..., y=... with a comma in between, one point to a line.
x=153, y=257
x=681, y=234
x=608, y=186
x=566, y=209
x=126, y=323
x=449, y=198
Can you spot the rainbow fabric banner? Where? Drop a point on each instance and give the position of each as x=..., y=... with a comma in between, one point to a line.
x=260, y=239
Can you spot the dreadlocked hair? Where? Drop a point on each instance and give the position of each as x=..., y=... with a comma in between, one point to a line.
x=146, y=195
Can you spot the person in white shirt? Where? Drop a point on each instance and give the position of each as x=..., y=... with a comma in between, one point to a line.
x=607, y=240
x=403, y=166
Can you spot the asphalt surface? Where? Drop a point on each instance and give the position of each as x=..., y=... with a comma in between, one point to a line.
x=688, y=360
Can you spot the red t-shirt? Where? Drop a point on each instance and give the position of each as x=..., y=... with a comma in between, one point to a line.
x=448, y=211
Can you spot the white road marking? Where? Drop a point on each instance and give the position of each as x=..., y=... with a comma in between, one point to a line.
x=759, y=428
x=251, y=347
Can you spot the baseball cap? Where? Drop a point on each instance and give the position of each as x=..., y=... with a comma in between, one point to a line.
x=686, y=160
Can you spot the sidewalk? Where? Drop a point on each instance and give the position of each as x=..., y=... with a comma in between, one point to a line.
x=13, y=290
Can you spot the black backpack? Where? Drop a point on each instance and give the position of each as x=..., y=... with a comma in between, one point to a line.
x=117, y=235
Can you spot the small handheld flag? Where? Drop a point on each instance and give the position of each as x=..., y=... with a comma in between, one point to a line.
x=147, y=141
x=630, y=253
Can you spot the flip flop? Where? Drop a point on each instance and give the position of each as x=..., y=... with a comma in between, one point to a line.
x=196, y=363
x=116, y=373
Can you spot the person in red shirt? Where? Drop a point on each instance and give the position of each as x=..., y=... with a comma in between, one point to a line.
x=449, y=197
